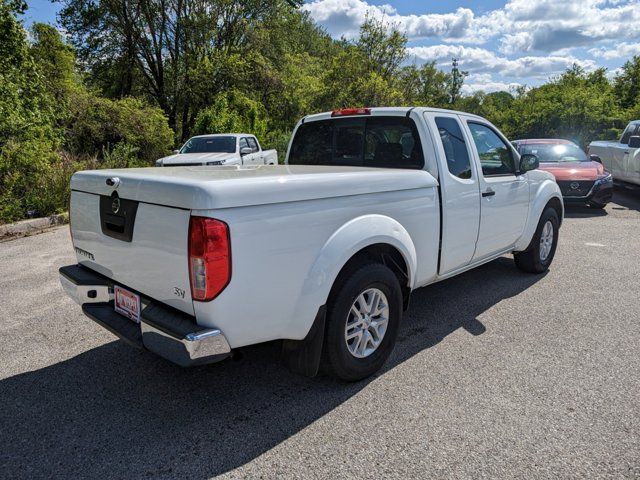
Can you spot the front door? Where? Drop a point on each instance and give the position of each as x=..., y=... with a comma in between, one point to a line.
x=633, y=165
x=504, y=194
x=460, y=189
x=257, y=158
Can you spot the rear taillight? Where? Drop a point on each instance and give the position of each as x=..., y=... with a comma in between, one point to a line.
x=209, y=257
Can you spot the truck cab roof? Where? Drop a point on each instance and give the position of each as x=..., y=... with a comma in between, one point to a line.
x=381, y=111
x=224, y=135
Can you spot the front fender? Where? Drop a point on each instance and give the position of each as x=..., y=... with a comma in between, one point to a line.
x=345, y=242
x=545, y=191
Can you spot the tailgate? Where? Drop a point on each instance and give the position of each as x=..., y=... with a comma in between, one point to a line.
x=143, y=246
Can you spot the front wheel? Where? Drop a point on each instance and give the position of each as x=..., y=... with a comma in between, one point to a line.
x=363, y=317
x=539, y=254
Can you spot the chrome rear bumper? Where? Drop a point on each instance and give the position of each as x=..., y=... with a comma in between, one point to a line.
x=165, y=331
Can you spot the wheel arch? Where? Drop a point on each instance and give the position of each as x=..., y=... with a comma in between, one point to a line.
x=367, y=238
x=547, y=195
x=371, y=238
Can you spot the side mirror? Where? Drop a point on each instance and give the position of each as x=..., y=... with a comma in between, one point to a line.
x=176, y=151
x=528, y=162
x=248, y=150
x=634, y=141
x=595, y=158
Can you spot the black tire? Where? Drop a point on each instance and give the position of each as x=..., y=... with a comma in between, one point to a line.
x=339, y=360
x=529, y=260
x=597, y=206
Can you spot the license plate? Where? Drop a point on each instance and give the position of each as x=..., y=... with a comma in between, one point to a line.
x=127, y=303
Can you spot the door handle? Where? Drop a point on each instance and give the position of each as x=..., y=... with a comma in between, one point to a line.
x=488, y=193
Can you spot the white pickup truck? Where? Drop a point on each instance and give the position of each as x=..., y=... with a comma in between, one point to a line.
x=621, y=157
x=321, y=253
x=220, y=149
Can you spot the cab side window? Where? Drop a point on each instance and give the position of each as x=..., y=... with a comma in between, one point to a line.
x=253, y=144
x=629, y=131
x=495, y=155
x=455, y=148
x=243, y=143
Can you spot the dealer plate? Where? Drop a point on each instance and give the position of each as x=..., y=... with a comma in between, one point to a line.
x=127, y=303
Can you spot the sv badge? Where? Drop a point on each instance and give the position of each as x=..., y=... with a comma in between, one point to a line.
x=178, y=292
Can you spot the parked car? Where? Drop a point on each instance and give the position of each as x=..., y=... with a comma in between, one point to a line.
x=582, y=180
x=221, y=149
x=622, y=157
x=322, y=253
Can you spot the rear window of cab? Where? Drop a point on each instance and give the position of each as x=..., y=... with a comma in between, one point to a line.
x=383, y=142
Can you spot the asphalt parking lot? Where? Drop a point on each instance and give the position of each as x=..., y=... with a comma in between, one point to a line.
x=496, y=374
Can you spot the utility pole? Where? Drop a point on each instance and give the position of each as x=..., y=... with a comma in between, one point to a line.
x=457, y=79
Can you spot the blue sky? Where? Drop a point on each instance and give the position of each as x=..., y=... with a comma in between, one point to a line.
x=501, y=44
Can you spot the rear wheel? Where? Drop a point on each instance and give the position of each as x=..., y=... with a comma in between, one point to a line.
x=597, y=206
x=362, y=322
x=539, y=255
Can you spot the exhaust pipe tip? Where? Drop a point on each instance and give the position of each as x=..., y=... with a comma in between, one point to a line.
x=237, y=356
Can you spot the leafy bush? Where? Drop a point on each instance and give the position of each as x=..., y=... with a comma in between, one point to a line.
x=97, y=124
x=279, y=140
x=233, y=112
x=122, y=155
x=25, y=170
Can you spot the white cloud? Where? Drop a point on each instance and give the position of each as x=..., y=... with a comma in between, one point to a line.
x=622, y=50
x=344, y=17
x=479, y=60
x=520, y=26
x=485, y=83
x=523, y=42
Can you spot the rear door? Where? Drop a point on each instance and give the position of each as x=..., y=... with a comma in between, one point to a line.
x=504, y=203
x=460, y=188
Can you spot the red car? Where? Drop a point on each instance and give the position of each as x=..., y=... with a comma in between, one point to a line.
x=582, y=179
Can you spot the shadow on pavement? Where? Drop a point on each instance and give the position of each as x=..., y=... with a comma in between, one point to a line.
x=119, y=413
x=576, y=211
x=626, y=198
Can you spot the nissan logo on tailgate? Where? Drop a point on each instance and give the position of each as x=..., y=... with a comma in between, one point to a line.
x=115, y=204
x=574, y=186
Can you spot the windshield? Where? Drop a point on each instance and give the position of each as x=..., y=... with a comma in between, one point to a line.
x=210, y=145
x=553, y=153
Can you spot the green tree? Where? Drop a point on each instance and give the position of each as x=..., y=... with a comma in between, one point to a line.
x=28, y=137
x=626, y=85
x=382, y=45
x=166, y=50
x=575, y=105
x=425, y=85
x=366, y=72
x=56, y=63
x=233, y=112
